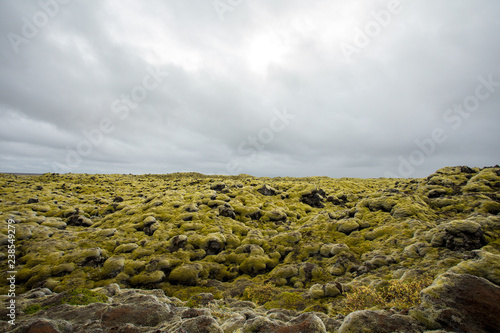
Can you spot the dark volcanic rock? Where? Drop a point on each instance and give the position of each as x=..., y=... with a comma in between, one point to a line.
x=314, y=198
x=462, y=303
x=201, y=324
x=458, y=235
x=44, y=326
x=227, y=211
x=218, y=187
x=78, y=221
x=178, y=242
x=146, y=314
x=305, y=323
x=267, y=190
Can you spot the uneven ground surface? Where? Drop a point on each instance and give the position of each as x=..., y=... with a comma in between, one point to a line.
x=196, y=253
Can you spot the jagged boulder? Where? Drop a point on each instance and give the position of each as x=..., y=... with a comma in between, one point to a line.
x=315, y=198
x=457, y=235
x=267, y=190
x=79, y=221
x=460, y=303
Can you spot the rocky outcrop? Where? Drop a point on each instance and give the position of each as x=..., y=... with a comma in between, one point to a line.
x=314, y=198
x=461, y=303
x=133, y=310
x=457, y=235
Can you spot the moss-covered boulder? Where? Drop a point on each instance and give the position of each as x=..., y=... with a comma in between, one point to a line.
x=126, y=248
x=187, y=275
x=314, y=198
x=457, y=235
x=148, y=278
x=112, y=267
x=348, y=226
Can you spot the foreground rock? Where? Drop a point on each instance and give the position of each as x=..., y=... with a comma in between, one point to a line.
x=379, y=321
x=461, y=303
x=132, y=310
x=453, y=303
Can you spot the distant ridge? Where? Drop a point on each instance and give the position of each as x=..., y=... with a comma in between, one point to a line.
x=21, y=173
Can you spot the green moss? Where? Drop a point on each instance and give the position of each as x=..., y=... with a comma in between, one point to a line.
x=261, y=294
x=285, y=271
x=288, y=300
x=255, y=264
x=125, y=248
x=490, y=207
x=132, y=267
x=142, y=252
x=83, y=296
x=34, y=308
x=187, y=275
x=147, y=278
x=348, y=226
x=63, y=269
x=476, y=187
x=112, y=267
x=270, y=238
x=487, y=266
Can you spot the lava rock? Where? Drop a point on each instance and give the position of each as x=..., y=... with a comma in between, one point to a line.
x=461, y=303
x=314, y=199
x=267, y=190
x=79, y=221
x=457, y=235
x=227, y=211
x=380, y=322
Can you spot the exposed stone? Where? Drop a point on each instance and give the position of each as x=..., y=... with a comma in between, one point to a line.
x=457, y=235
x=200, y=324
x=79, y=221
x=305, y=323
x=33, y=200
x=227, y=211
x=178, y=242
x=461, y=303
x=380, y=322
x=233, y=324
x=314, y=199
x=192, y=313
x=267, y=190
x=218, y=187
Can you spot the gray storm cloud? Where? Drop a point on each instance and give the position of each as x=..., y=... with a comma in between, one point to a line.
x=371, y=88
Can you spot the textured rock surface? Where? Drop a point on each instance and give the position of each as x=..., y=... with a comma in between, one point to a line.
x=379, y=322
x=462, y=303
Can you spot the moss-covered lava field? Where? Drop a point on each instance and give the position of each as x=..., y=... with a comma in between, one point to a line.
x=304, y=244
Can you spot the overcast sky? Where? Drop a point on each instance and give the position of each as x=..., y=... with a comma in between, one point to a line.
x=263, y=87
